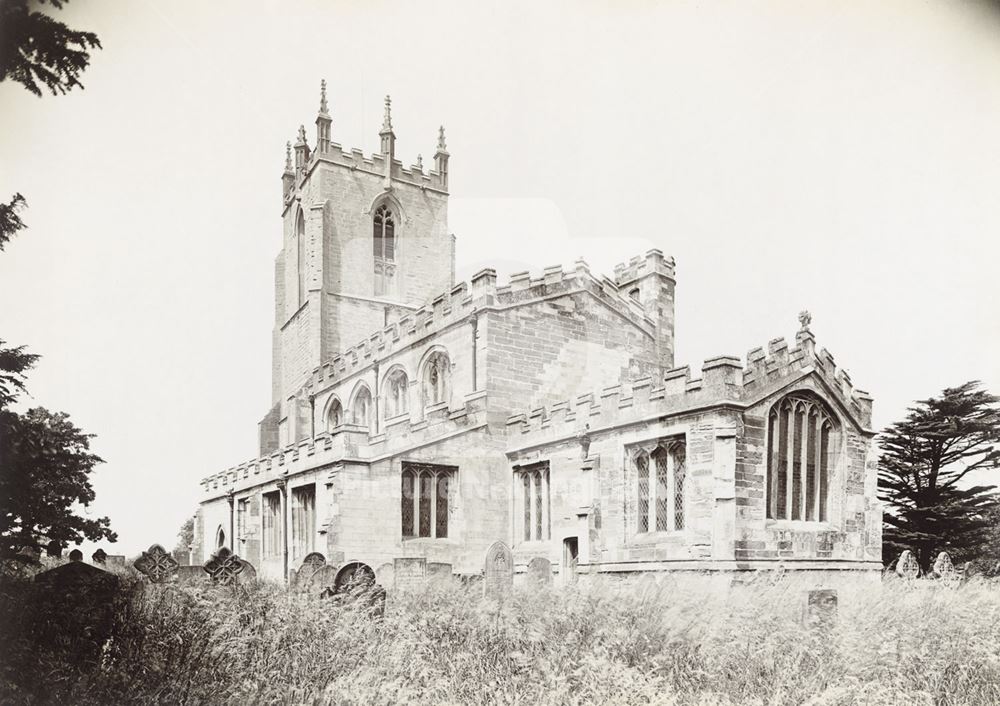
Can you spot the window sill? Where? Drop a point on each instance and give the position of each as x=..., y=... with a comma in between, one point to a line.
x=801, y=525
x=398, y=419
x=657, y=537
x=427, y=540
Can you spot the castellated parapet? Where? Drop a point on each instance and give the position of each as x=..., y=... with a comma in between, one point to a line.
x=725, y=382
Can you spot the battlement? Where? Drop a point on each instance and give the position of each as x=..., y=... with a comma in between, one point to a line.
x=725, y=380
x=639, y=266
x=350, y=442
x=481, y=293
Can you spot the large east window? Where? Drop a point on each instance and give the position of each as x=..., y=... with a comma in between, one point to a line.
x=426, y=499
x=800, y=431
x=660, y=472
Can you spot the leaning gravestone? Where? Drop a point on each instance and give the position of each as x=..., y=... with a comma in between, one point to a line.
x=322, y=582
x=99, y=557
x=224, y=567
x=498, y=570
x=540, y=570
x=157, y=564
x=945, y=570
x=907, y=566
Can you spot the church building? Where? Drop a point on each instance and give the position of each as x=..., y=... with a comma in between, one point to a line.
x=417, y=422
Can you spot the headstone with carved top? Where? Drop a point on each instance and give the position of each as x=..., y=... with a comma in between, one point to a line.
x=224, y=567
x=158, y=565
x=99, y=557
x=945, y=570
x=907, y=566
x=498, y=570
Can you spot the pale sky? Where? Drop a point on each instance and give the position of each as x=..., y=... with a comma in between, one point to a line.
x=837, y=157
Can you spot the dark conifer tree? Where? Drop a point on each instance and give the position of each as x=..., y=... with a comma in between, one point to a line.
x=924, y=463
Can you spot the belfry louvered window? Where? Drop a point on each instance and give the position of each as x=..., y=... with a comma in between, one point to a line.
x=660, y=470
x=425, y=499
x=800, y=435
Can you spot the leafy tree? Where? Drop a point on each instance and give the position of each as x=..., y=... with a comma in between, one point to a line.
x=924, y=460
x=185, y=538
x=37, y=49
x=45, y=464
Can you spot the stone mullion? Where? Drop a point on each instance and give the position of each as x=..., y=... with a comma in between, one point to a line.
x=774, y=440
x=544, y=497
x=533, y=506
x=434, y=504
x=817, y=450
x=803, y=462
x=789, y=465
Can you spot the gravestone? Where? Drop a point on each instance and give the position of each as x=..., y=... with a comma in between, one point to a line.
x=54, y=549
x=408, y=572
x=385, y=575
x=498, y=570
x=540, y=570
x=224, y=567
x=322, y=582
x=945, y=570
x=821, y=608
x=157, y=564
x=907, y=566
x=299, y=580
x=438, y=570
x=99, y=557
x=116, y=560
x=80, y=578
x=76, y=555
x=249, y=572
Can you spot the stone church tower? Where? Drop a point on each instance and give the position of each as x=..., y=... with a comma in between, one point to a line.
x=335, y=279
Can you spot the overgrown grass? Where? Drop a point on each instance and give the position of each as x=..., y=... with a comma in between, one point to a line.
x=668, y=642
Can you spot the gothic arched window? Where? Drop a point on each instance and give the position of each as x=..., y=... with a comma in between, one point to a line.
x=396, y=394
x=361, y=410
x=424, y=499
x=437, y=379
x=300, y=246
x=800, y=434
x=384, y=249
x=334, y=415
x=659, y=487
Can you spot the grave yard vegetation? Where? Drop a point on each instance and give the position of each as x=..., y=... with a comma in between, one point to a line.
x=621, y=642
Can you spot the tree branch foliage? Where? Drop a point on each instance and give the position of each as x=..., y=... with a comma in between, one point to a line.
x=38, y=51
x=10, y=221
x=925, y=459
x=45, y=464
